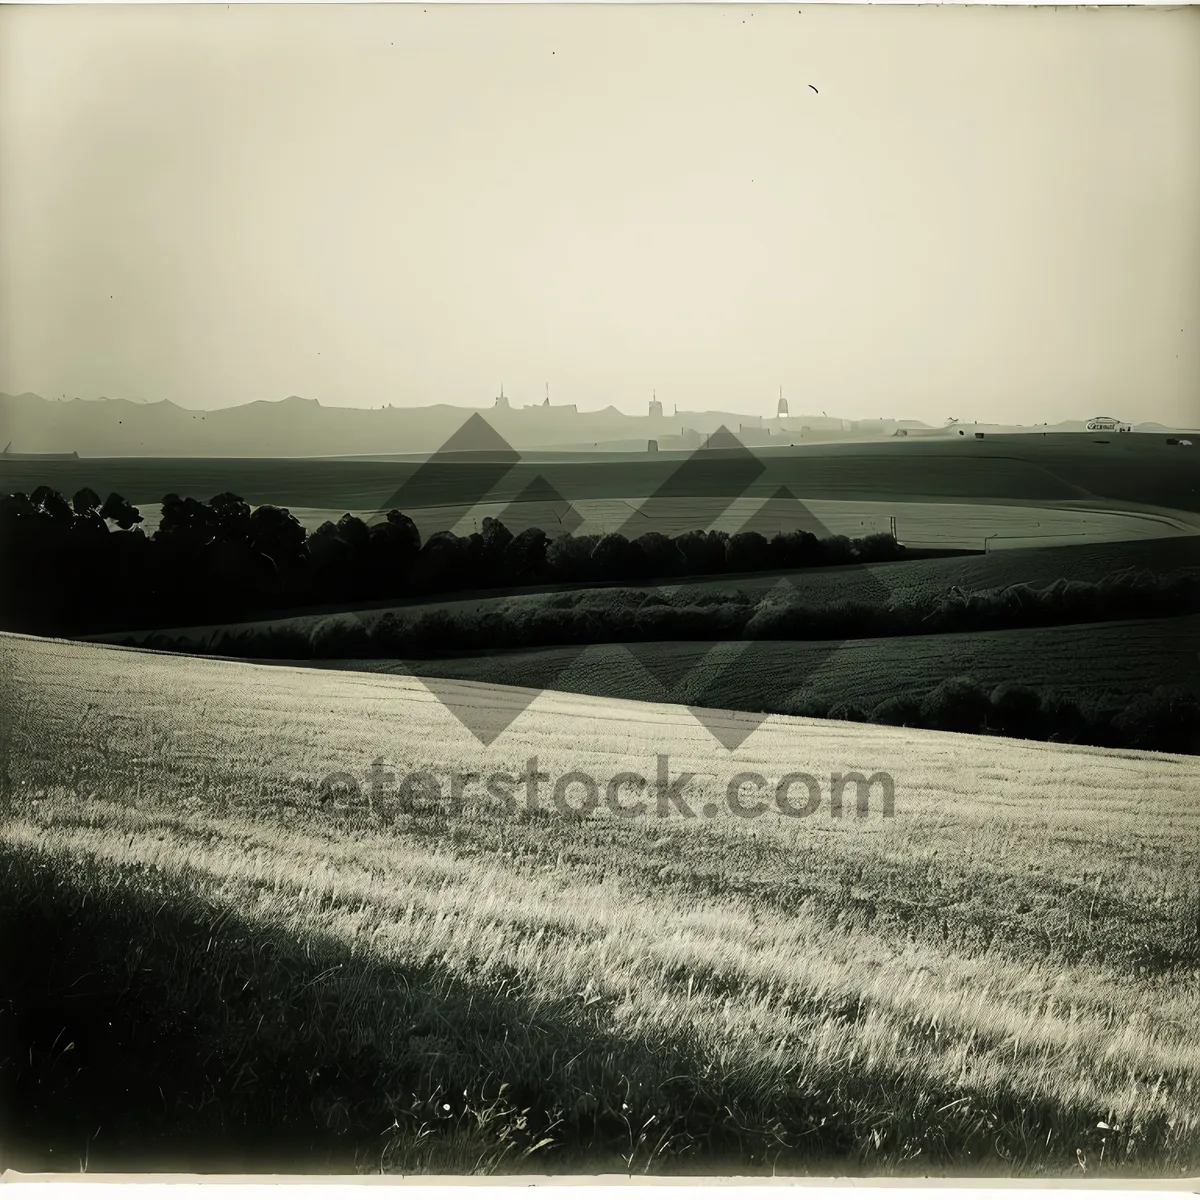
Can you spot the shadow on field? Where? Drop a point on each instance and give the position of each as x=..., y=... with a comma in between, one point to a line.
x=143, y=1028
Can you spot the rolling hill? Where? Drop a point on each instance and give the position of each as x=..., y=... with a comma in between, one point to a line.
x=994, y=978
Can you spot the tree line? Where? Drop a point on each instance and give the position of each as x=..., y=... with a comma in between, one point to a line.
x=84, y=565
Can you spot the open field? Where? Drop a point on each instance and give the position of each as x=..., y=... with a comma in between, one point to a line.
x=1001, y=977
x=919, y=525
x=1133, y=469
x=1109, y=661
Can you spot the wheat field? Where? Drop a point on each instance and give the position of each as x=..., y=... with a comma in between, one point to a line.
x=1001, y=977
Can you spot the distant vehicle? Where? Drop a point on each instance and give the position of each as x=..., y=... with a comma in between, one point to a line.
x=978, y=434
x=1178, y=442
x=1103, y=425
x=900, y=433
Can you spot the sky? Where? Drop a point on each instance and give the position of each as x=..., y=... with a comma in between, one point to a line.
x=886, y=211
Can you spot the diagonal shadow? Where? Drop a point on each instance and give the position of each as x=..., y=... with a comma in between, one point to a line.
x=467, y=467
x=148, y=1028
x=782, y=513
x=541, y=506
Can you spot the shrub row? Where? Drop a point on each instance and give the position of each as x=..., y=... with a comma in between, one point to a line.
x=648, y=615
x=1131, y=594
x=1165, y=719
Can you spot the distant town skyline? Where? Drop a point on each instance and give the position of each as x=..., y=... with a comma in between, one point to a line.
x=777, y=412
x=900, y=212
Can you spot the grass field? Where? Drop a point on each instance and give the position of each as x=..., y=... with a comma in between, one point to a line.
x=1136, y=468
x=1000, y=978
x=921, y=525
x=1109, y=661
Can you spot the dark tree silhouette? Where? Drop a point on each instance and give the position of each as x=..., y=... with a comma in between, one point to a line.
x=407, y=536
x=496, y=536
x=354, y=532
x=877, y=547
x=569, y=557
x=277, y=536
x=662, y=555
x=525, y=557
x=748, y=551
x=53, y=506
x=1166, y=719
x=704, y=552
x=391, y=554
x=120, y=512
x=85, y=501
x=442, y=565
x=231, y=517
x=222, y=559
x=958, y=704
x=795, y=549
x=1015, y=711
x=615, y=557
x=897, y=710
x=185, y=521
x=836, y=550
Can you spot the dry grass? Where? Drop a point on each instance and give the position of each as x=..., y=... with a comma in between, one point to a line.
x=1002, y=977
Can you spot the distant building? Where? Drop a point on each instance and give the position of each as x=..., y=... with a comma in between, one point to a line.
x=656, y=410
x=652, y=446
x=783, y=407
x=1102, y=424
x=687, y=439
x=754, y=435
x=502, y=399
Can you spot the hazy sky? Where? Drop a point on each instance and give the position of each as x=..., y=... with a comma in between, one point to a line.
x=992, y=214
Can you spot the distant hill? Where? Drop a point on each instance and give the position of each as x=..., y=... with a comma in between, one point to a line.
x=301, y=427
